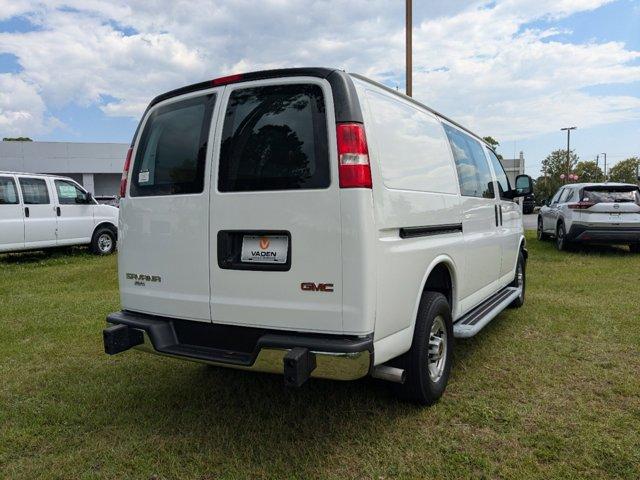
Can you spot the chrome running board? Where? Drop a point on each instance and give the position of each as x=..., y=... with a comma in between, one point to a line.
x=474, y=321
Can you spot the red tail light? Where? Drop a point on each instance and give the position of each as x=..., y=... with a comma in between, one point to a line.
x=580, y=205
x=353, y=156
x=226, y=80
x=125, y=173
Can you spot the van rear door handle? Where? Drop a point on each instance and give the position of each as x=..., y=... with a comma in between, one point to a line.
x=495, y=210
x=58, y=211
x=26, y=212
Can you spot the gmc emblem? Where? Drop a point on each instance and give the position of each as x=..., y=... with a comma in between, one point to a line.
x=316, y=287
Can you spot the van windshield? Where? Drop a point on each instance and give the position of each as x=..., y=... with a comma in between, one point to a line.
x=274, y=138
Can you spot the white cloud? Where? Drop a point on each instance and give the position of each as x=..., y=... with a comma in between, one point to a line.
x=22, y=110
x=477, y=62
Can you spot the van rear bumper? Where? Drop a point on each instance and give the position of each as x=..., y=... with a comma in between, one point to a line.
x=337, y=357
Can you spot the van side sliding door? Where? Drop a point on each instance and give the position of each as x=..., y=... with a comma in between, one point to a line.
x=39, y=214
x=480, y=218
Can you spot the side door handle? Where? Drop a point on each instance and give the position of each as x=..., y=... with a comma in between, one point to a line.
x=26, y=212
x=58, y=211
x=495, y=210
x=501, y=215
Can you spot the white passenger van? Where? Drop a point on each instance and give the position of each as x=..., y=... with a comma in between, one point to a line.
x=313, y=223
x=43, y=211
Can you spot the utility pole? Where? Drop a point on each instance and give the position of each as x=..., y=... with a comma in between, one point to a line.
x=605, y=166
x=408, y=44
x=568, y=129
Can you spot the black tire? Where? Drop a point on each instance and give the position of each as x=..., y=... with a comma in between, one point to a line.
x=419, y=386
x=103, y=241
x=634, y=247
x=540, y=232
x=520, y=280
x=561, y=238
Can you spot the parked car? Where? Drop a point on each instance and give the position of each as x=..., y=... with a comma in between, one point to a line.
x=313, y=223
x=528, y=204
x=42, y=211
x=107, y=200
x=592, y=213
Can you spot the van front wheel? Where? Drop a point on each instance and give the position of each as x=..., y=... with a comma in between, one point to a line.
x=428, y=363
x=103, y=241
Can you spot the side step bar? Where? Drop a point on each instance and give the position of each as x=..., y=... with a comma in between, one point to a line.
x=474, y=321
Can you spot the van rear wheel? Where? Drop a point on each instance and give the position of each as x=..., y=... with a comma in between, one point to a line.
x=103, y=241
x=428, y=363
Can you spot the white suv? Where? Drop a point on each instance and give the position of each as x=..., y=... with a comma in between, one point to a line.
x=263, y=229
x=42, y=211
x=592, y=213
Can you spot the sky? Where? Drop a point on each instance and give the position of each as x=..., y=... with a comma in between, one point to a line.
x=517, y=70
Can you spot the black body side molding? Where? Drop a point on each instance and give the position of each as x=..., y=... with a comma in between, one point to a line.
x=429, y=230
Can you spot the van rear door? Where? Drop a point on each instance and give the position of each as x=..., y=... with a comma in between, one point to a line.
x=163, y=255
x=275, y=208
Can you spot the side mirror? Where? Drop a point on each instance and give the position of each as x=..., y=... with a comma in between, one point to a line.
x=84, y=198
x=547, y=202
x=524, y=186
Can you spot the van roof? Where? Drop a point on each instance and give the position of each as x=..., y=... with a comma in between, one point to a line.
x=345, y=98
x=50, y=175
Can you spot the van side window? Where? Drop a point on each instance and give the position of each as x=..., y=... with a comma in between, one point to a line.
x=412, y=146
x=274, y=138
x=474, y=175
x=67, y=192
x=34, y=191
x=501, y=176
x=8, y=192
x=170, y=159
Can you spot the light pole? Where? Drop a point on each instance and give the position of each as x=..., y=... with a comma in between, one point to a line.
x=605, y=166
x=408, y=40
x=568, y=129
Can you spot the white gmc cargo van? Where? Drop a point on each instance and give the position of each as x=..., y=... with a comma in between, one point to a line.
x=42, y=211
x=313, y=223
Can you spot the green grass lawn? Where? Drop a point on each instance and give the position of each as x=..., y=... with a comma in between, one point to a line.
x=549, y=390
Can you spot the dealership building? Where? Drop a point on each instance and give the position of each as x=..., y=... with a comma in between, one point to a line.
x=96, y=166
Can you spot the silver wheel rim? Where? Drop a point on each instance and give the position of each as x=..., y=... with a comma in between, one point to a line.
x=437, y=356
x=105, y=243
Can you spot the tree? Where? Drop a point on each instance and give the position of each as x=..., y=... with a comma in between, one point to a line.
x=589, y=172
x=552, y=167
x=556, y=164
x=17, y=139
x=625, y=171
x=494, y=144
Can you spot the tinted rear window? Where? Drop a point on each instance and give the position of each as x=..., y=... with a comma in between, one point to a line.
x=8, y=192
x=611, y=196
x=274, y=138
x=171, y=154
